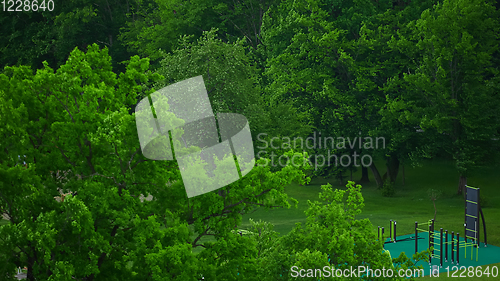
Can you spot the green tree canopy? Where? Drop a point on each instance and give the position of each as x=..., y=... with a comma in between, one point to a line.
x=453, y=88
x=78, y=124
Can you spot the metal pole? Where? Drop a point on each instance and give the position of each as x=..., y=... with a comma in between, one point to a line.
x=477, y=253
x=390, y=231
x=430, y=244
x=441, y=249
x=478, y=229
x=432, y=237
x=446, y=247
x=395, y=232
x=477, y=238
x=452, y=246
x=477, y=233
x=484, y=225
x=416, y=237
x=458, y=246
x=465, y=235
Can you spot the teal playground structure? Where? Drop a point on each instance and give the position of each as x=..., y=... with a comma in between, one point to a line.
x=447, y=249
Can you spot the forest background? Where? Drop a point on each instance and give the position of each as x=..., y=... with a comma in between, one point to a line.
x=421, y=74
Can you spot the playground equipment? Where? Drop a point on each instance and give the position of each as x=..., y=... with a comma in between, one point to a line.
x=392, y=232
x=440, y=241
x=472, y=211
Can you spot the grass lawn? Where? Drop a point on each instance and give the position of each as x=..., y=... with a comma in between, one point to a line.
x=410, y=204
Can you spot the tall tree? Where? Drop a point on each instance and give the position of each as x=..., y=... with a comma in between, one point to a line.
x=336, y=74
x=76, y=119
x=454, y=89
x=160, y=29
x=334, y=237
x=380, y=64
x=29, y=38
x=238, y=90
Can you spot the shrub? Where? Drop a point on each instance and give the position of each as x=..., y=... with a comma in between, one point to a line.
x=388, y=189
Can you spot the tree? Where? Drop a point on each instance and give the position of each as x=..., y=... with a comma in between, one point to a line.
x=160, y=28
x=433, y=196
x=228, y=73
x=380, y=65
x=244, y=18
x=29, y=38
x=332, y=73
x=233, y=85
x=454, y=88
x=104, y=231
x=307, y=65
x=332, y=236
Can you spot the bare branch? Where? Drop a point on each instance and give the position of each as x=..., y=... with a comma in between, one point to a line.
x=140, y=161
x=76, y=102
x=97, y=174
x=244, y=34
x=132, y=158
x=226, y=209
x=199, y=237
x=122, y=168
x=64, y=155
x=65, y=107
x=107, y=44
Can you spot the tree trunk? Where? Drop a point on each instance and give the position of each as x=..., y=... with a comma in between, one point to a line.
x=392, y=168
x=376, y=175
x=31, y=261
x=403, y=166
x=364, y=175
x=462, y=182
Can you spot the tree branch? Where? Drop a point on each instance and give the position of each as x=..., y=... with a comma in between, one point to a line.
x=132, y=158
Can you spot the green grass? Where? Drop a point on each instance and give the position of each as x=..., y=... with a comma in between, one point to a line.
x=410, y=203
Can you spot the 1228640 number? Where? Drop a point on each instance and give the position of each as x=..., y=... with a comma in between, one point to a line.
x=472, y=271
x=27, y=5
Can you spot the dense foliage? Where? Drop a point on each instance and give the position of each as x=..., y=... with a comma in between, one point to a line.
x=423, y=75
